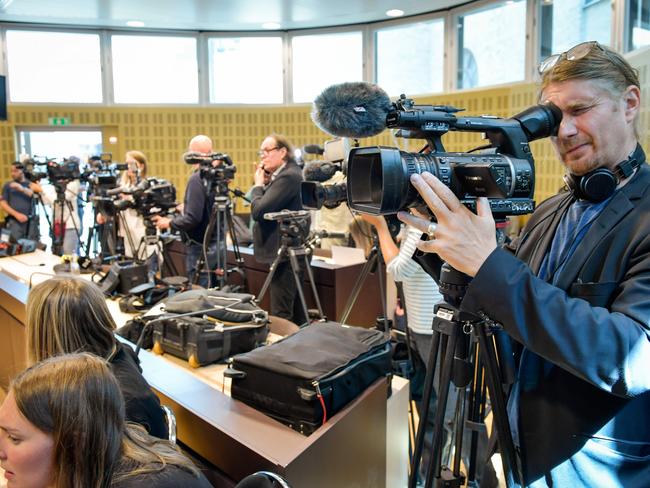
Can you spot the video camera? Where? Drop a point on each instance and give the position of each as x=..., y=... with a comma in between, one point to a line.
x=152, y=196
x=314, y=194
x=379, y=177
x=222, y=172
x=102, y=174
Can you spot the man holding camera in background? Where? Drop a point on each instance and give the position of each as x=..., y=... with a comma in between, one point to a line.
x=277, y=187
x=576, y=293
x=194, y=217
x=17, y=202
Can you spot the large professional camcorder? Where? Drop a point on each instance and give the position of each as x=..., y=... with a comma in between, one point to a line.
x=102, y=174
x=223, y=171
x=315, y=194
x=37, y=168
x=152, y=196
x=379, y=177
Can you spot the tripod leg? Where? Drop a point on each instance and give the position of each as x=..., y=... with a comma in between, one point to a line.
x=511, y=463
x=382, y=289
x=372, y=257
x=295, y=267
x=445, y=382
x=267, y=282
x=235, y=247
x=426, y=403
x=312, y=283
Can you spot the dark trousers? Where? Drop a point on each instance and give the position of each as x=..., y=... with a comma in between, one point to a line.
x=285, y=301
x=194, y=251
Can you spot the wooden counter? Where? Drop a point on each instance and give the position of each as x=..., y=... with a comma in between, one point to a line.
x=349, y=451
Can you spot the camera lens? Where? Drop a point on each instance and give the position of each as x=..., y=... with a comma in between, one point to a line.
x=378, y=178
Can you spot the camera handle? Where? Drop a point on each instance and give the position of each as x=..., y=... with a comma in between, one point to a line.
x=472, y=355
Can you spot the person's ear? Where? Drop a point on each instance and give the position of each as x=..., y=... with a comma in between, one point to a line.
x=631, y=102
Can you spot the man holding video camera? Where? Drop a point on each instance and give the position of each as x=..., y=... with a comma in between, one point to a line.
x=576, y=293
x=193, y=220
x=277, y=187
x=17, y=202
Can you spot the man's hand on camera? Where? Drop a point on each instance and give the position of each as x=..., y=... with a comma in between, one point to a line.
x=35, y=187
x=21, y=217
x=461, y=238
x=161, y=222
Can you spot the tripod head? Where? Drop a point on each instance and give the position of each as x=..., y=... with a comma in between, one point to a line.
x=293, y=226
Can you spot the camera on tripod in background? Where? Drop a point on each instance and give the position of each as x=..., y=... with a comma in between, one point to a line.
x=216, y=169
x=102, y=174
x=315, y=194
x=151, y=197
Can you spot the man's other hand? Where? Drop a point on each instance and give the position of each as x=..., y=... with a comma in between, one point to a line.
x=35, y=187
x=161, y=222
x=21, y=217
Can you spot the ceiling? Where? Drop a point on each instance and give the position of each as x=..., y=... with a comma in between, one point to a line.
x=212, y=15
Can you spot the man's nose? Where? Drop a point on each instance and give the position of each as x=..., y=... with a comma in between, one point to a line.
x=567, y=127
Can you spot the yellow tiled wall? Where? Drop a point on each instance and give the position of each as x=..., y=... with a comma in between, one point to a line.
x=162, y=133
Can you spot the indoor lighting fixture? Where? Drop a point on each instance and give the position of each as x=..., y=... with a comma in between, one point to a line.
x=270, y=25
x=395, y=12
x=135, y=23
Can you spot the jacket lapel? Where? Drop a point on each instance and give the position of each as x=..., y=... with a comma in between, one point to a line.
x=534, y=248
x=622, y=203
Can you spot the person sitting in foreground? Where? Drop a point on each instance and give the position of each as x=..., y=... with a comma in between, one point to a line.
x=67, y=315
x=62, y=425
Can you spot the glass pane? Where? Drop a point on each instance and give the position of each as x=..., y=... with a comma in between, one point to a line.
x=410, y=58
x=54, y=67
x=323, y=60
x=492, y=45
x=246, y=70
x=576, y=21
x=639, y=26
x=148, y=69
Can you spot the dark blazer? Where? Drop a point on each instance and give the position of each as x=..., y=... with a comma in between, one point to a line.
x=591, y=334
x=283, y=193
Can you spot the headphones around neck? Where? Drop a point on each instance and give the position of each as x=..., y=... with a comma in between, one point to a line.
x=600, y=184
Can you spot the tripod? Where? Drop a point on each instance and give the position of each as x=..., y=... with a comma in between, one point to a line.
x=475, y=358
x=220, y=216
x=57, y=229
x=292, y=247
x=374, y=263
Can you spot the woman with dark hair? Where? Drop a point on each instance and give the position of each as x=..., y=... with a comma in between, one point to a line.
x=67, y=315
x=62, y=425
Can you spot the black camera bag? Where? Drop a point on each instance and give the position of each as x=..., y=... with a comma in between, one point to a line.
x=322, y=365
x=225, y=324
x=203, y=341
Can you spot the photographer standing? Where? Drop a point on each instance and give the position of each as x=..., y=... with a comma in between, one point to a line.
x=135, y=231
x=277, y=187
x=62, y=197
x=193, y=220
x=576, y=294
x=17, y=201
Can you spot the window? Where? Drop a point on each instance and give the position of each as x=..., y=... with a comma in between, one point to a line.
x=410, y=58
x=565, y=23
x=492, y=45
x=323, y=60
x=638, y=34
x=155, y=69
x=246, y=70
x=54, y=67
